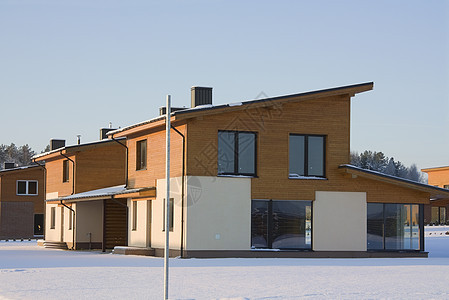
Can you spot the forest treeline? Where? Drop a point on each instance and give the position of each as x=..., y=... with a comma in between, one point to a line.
x=377, y=161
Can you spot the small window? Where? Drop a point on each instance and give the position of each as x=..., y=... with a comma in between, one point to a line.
x=306, y=156
x=70, y=220
x=236, y=153
x=53, y=218
x=170, y=213
x=134, y=213
x=65, y=170
x=141, y=155
x=27, y=187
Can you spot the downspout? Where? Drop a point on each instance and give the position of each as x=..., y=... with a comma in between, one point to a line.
x=182, y=188
x=45, y=188
x=126, y=161
x=73, y=171
x=73, y=223
x=73, y=191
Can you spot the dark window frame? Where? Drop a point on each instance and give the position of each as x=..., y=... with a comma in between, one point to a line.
x=141, y=158
x=134, y=216
x=306, y=154
x=27, y=187
x=53, y=217
x=65, y=171
x=236, y=154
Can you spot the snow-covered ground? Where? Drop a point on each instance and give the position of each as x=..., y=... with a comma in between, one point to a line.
x=31, y=272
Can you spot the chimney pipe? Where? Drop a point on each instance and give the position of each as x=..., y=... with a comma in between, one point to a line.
x=78, y=138
x=201, y=96
x=9, y=165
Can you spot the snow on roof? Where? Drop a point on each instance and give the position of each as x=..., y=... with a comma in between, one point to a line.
x=75, y=146
x=20, y=168
x=418, y=184
x=103, y=192
x=241, y=103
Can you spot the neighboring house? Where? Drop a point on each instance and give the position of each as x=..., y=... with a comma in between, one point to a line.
x=77, y=219
x=437, y=211
x=21, y=202
x=264, y=178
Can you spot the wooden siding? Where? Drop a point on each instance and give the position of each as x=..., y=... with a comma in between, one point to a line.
x=54, y=176
x=116, y=223
x=438, y=177
x=95, y=168
x=328, y=116
x=100, y=167
x=8, y=191
x=155, y=156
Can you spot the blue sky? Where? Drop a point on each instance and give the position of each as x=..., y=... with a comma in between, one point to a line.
x=71, y=67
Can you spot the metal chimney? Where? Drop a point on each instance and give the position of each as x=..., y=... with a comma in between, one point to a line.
x=9, y=165
x=201, y=95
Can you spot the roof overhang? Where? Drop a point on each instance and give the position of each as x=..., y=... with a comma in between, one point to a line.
x=68, y=150
x=116, y=192
x=189, y=113
x=436, y=193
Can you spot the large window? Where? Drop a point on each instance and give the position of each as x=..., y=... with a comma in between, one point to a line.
x=236, y=153
x=306, y=156
x=141, y=155
x=394, y=226
x=438, y=215
x=281, y=224
x=65, y=170
x=27, y=187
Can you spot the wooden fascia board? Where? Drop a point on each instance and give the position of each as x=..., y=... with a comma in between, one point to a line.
x=140, y=128
x=403, y=184
x=435, y=169
x=146, y=193
x=275, y=101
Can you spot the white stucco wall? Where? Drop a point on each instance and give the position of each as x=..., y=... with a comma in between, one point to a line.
x=218, y=213
x=339, y=221
x=157, y=219
x=140, y=237
x=52, y=235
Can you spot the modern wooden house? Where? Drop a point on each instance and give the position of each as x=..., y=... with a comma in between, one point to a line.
x=267, y=178
x=437, y=211
x=21, y=202
x=79, y=212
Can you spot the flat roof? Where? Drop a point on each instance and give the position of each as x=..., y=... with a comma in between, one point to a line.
x=21, y=168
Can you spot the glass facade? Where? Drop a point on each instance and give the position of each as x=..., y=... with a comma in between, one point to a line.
x=394, y=226
x=280, y=224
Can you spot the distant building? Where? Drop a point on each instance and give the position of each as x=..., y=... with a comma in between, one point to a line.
x=21, y=202
x=437, y=212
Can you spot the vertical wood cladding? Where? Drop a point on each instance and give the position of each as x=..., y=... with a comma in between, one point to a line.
x=116, y=229
x=328, y=116
x=155, y=156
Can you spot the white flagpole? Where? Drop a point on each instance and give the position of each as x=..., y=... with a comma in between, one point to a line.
x=167, y=196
